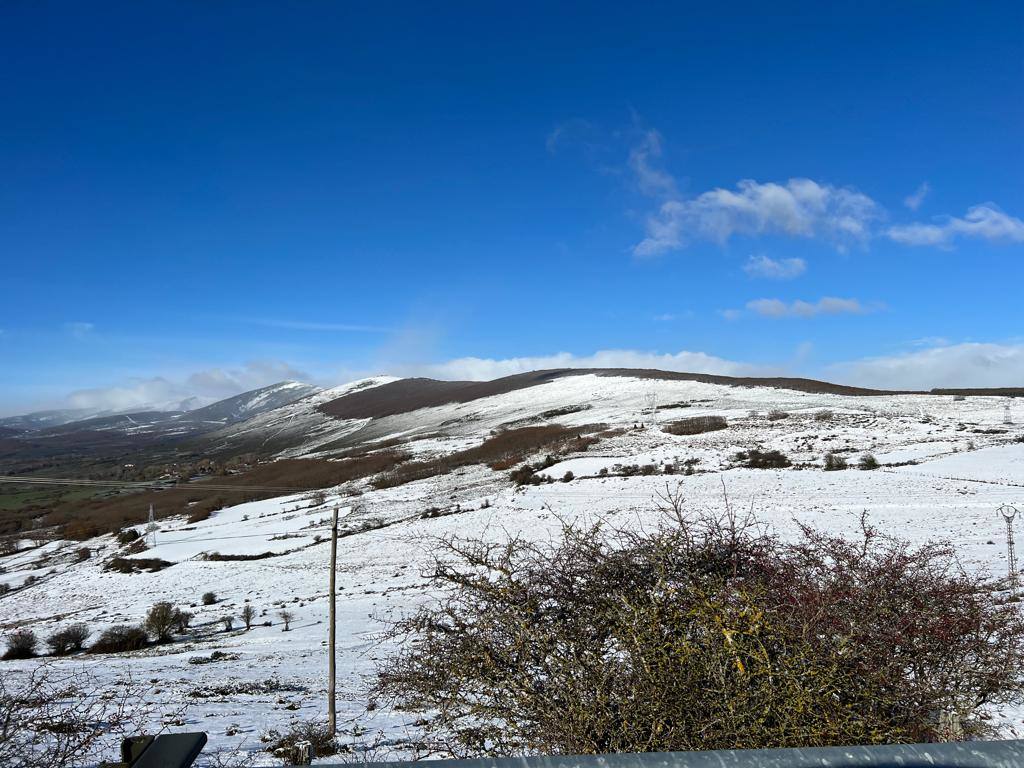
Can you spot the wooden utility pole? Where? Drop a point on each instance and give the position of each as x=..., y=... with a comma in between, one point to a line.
x=331, y=714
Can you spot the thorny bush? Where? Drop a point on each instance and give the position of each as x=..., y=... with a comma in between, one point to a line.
x=704, y=633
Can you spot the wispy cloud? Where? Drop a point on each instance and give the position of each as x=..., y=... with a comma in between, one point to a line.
x=79, y=330
x=828, y=305
x=913, y=202
x=797, y=208
x=774, y=269
x=984, y=221
x=302, y=325
x=650, y=179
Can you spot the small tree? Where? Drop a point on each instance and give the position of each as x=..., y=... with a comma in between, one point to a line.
x=228, y=621
x=286, y=617
x=248, y=615
x=21, y=644
x=209, y=598
x=868, y=462
x=161, y=621
x=568, y=477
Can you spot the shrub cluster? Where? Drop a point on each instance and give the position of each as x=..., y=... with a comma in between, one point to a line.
x=703, y=634
x=868, y=462
x=758, y=459
x=68, y=640
x=695, y=425
x=21, y=644
x=120, y=639
x=834, y=462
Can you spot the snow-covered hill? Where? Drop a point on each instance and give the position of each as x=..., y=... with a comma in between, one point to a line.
x=947, y=465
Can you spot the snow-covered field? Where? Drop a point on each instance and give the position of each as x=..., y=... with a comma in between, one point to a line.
x=966, y=464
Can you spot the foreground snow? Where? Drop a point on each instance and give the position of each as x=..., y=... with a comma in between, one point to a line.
x=967, y=467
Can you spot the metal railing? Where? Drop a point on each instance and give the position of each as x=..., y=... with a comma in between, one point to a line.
x=181, y=750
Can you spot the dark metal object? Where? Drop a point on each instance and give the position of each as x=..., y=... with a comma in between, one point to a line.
x=966, y=754
x=170, y=750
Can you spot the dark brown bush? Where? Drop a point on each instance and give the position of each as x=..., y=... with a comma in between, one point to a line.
x=758, y=459
x=67, y=640
x=695, y=425
x=703, y=634
x=120, y=639
x=161, y=621
x=834, y=462
x=136, y=564
x=21, y=644
x=868, y=462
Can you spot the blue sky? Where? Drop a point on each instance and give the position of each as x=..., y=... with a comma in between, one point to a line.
x=197, y=198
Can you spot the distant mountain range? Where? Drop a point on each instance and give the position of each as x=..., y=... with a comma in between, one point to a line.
x=190, y=411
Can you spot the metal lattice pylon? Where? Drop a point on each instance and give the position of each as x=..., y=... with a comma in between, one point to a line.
x=152, y=527
x=1009, y=512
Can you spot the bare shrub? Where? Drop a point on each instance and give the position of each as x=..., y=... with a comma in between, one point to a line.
x=127, y=536
x=777, y=415
x=228, y=621
x=63, y=718
x=834, y=462
x=868, y=462
x=82, y=554
x=120, y=639
x=21, y=644
x=758, y=459
x=822, y=416
x=696, y=425
x=248, y=616
x=703, y=634
x=209, y=598
x=68, y=640
x=317, y=734
x=182, y=620
x=287, y=617
x=161, y=621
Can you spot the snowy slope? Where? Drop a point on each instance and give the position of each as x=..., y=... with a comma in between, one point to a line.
x=968, y=463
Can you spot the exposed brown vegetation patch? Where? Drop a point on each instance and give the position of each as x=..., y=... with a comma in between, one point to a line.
x=500, y=451
x=93, y=517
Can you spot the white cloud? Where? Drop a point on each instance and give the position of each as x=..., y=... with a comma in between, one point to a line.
x=957, y=365
x=798, y=208
x=202, y=387
x=650, y=180
x=981, y=221
x=774, y=269
x=484, y=369
x=913, y=202
x=731, y=314
x=829, y=305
